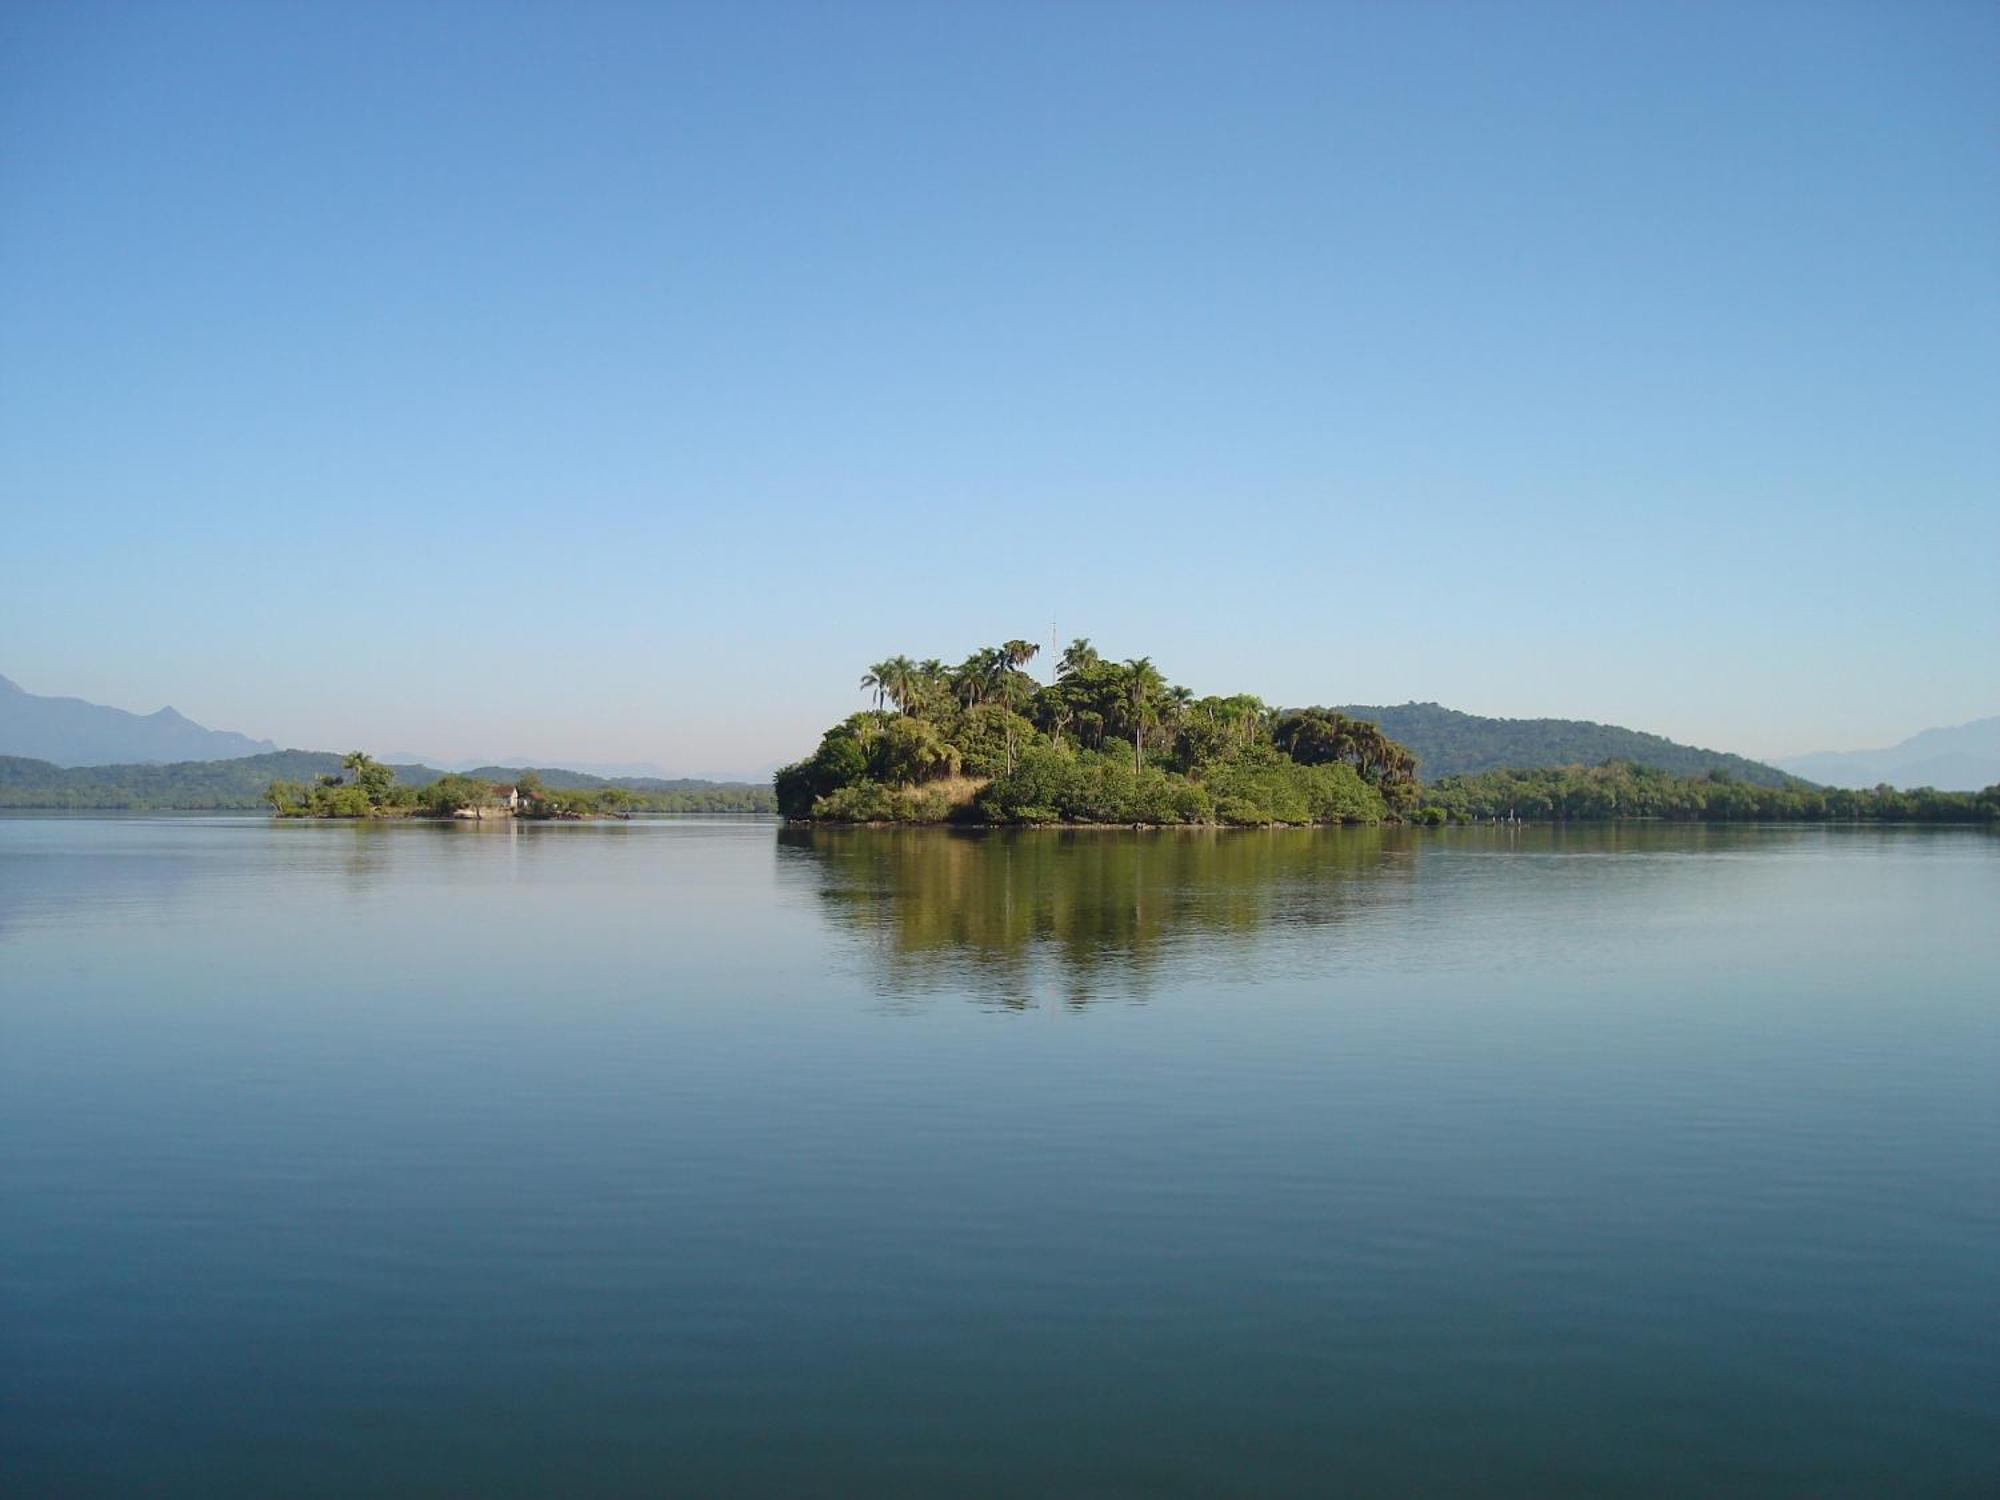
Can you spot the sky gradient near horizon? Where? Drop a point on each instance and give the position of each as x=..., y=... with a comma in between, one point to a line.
x=615, y=382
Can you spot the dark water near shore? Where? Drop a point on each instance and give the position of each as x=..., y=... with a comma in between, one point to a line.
x=706, y=1159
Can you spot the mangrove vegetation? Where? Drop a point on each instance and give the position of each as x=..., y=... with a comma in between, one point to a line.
x=1619, y=789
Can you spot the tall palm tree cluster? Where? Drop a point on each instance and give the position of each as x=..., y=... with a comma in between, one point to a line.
x=1093, y=700
x=979, y=718
x=991, y=674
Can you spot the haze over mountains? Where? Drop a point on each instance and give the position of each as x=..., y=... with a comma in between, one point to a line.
x=71, y=732
x=74, y=732
x=1961, y=758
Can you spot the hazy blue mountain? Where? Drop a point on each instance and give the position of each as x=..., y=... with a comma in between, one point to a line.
x=1961, y=758
x=1447, y=743
x=71, y=732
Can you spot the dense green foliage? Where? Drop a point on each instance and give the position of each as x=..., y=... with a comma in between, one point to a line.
x=242, y=784
x=370, y=790
x=203, y=785
x=1105, y=742
x=1449, y=743
x=1114, y=742
x=1621, y=790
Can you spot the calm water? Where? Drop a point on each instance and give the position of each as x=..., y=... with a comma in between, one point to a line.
x=706, y=1159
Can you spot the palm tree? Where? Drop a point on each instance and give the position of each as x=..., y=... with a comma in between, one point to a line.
x=1179, y=709
x=1139, y=692
x=1008, y=683
x=900, y=682
x=932, y=681
x=1081, y=656
x=1245, y=713
x=876, y=679
x=980, y=674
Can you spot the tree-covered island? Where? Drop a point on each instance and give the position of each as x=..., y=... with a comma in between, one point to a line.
x=369, y=789
x=1113, y=742
x=366, y=788
x=1105, y=742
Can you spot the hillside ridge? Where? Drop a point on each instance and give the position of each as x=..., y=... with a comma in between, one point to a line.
x=1450, y=742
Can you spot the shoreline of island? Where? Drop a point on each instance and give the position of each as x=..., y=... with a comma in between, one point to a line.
x=365, y=788
x=1111, y=744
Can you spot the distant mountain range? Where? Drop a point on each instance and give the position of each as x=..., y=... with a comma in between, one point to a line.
x=1448, y=743
x=71, y=732
x=1962, y=758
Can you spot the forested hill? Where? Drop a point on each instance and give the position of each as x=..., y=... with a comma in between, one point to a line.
x=1449, y=743
x=222, y=785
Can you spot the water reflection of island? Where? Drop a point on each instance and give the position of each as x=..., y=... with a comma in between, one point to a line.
x=1008, y=917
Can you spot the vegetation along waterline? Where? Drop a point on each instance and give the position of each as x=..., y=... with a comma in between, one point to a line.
x=1111, y=742
x=366, y=788
x=243, y=783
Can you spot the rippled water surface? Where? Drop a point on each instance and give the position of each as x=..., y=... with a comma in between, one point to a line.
x=708, y=1159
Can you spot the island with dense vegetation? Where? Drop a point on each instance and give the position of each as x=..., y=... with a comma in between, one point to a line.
x=366, y=788
x=1104, y=742
x=243, y=784
x=1113, y=742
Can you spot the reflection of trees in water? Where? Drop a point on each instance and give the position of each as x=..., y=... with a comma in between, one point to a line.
x=1006, y=914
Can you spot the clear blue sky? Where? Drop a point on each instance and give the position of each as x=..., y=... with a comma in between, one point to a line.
x=618, y=381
